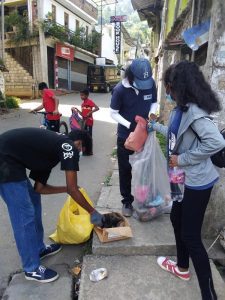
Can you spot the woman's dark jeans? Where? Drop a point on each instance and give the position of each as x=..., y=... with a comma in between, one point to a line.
x=187, y=218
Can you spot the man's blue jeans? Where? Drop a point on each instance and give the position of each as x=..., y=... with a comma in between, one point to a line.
x=24, y=206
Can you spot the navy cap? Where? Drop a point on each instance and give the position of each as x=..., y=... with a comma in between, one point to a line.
x=142, y=72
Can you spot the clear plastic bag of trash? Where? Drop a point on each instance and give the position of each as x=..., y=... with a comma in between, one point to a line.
x=150, y=181
x=98, y=274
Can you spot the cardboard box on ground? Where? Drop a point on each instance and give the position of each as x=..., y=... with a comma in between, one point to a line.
x=123, y=231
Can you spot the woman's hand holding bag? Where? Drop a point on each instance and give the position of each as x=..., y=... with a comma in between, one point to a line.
x=137, y=138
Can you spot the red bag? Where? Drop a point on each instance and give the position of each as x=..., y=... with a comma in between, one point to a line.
x=136, y=139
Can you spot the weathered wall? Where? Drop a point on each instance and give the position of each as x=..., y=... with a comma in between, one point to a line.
x=169, y=57
x=215, y=71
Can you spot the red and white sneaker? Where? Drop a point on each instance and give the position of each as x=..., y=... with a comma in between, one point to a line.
x=171, y=266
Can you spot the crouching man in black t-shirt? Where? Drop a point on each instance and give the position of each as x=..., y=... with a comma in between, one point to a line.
x=39, y=151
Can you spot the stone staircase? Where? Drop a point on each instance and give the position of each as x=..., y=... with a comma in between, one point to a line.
x=18, y=82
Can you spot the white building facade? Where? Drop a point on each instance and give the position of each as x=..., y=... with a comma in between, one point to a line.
x=60, y=64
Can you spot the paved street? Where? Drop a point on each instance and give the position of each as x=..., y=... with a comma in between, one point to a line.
x=93, y=172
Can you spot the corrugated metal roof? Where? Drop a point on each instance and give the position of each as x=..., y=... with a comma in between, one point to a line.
x=140, y=4
x=147, y=9
x=128, y=39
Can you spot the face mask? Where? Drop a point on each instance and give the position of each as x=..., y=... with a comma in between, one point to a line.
x=169, y=98
x=81, y=153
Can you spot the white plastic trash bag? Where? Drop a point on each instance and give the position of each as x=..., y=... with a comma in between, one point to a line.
x=150, y=181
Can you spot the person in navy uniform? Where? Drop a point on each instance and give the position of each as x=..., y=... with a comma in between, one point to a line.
x=135, y=95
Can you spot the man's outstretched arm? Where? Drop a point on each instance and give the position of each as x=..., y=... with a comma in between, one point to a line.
x=73, y=190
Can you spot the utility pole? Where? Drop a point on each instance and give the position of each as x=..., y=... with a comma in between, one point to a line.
x=99, y=3
x=2, y=29
x=101, y=31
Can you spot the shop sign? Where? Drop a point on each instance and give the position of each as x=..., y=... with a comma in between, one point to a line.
x=117, y=37
x=65, y=51
x=118, y=19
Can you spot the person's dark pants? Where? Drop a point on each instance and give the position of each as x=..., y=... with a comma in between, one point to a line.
x=88, y=147
x=89, y=129
x=53, y=125
x=125, y=174
x=187, y=218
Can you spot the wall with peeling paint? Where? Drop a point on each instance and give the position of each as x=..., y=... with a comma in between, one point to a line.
x=215, y=72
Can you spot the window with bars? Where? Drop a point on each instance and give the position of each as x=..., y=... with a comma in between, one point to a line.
x=66, y=20
x=77, y=25
x=87, y=31
x=53, y=13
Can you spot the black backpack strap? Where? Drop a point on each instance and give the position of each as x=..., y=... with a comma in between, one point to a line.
x=195, y=133
x=198, y=137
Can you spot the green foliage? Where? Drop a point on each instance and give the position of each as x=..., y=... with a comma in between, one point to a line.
x=162, y=142
x=107, y=180
x=21, y=27
x=93, y=42
x=138, y=30
x=2, y=65
x=114, y=153
x=57, y=31
x=90, y=43
x=122, y=8
x=78, y=38
x=11, y=102
x=13, y=19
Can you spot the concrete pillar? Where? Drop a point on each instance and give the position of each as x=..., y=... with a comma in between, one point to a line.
x=37, y=73
x=43, y=46
x=29, y=4
x=2, y=83
x=215, y=72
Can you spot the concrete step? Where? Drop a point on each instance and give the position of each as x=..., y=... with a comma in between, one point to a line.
x=15, y=81
x=155, y=237
x=18, y=81
x=150, y=238
x=18, y=76
x=18, y=69
x=25, y=92
x=139, y=277
x=19, y=288
x=18, y=87
x=132, y=269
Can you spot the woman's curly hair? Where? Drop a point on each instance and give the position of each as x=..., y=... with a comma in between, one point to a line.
x=188, y=84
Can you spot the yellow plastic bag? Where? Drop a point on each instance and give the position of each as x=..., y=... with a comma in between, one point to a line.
x=73, y=226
